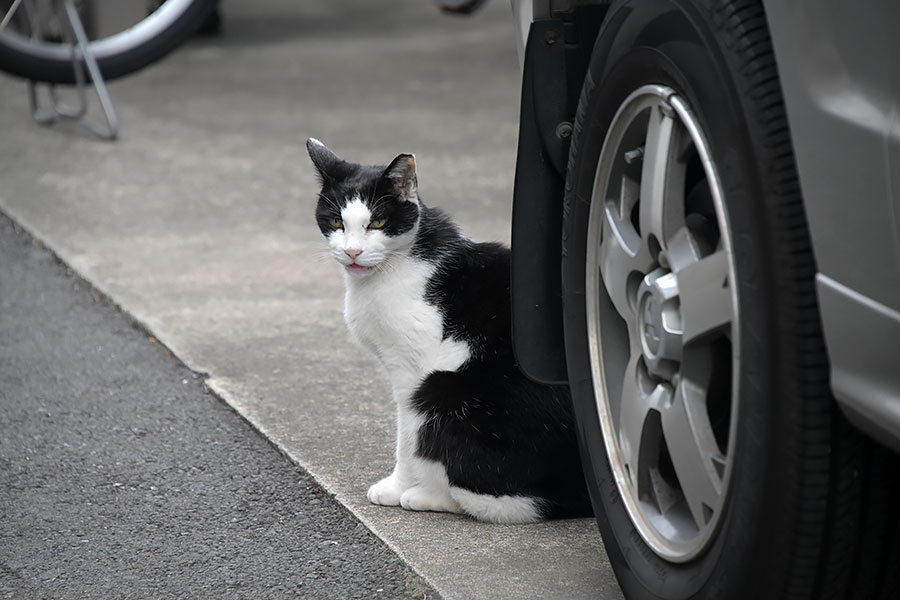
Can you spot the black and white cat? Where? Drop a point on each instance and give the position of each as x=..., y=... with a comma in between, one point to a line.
x=474, y=435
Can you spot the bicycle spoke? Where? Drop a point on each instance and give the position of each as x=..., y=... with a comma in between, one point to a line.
x=9, y=14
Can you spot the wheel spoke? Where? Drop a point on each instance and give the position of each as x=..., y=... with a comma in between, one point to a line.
x=705, y=291
x=662, y=177
x=635, y=406
x=682, y=249
x=629, y=194
x=621, y=254
x=693, y=449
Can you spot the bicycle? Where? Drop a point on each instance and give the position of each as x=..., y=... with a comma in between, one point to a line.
x=46, y=41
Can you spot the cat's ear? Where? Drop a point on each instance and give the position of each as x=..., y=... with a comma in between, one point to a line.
x=401, y=176
x=327, y=163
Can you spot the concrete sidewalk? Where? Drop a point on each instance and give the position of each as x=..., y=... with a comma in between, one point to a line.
x=198, y=222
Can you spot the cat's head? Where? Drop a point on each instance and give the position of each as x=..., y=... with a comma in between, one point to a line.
x=369, y=215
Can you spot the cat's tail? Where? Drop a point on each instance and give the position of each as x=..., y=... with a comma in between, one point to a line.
x=499, y=509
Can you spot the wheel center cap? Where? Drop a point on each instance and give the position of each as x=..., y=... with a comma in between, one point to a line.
x=652, y=327
x=659, y=319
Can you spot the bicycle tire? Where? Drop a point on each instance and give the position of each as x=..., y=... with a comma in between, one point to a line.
x=118, y=55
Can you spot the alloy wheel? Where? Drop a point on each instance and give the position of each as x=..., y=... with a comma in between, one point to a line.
x=662, y=315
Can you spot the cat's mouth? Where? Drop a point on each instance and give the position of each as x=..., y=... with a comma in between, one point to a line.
x=357, y=267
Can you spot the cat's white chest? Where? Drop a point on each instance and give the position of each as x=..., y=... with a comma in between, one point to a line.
x=389, y=315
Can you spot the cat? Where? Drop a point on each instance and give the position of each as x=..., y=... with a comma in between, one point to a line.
x=474, y=435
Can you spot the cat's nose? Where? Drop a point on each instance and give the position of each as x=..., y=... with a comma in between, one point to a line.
x=352, y=252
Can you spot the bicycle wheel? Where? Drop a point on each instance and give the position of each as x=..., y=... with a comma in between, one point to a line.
x=48, y=58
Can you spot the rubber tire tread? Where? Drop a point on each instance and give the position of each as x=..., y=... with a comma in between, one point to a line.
x=860, y=526
x=48, y=70
x=846, y=532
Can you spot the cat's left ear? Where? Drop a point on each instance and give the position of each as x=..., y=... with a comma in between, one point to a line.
x=401, y=176
x=327, y=163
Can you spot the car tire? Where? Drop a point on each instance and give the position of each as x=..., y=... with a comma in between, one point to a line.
x=727, y=470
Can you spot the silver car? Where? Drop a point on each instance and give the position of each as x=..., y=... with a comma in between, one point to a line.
x=706, y=247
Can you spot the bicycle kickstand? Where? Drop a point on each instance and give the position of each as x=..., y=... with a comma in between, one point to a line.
x=82, y=58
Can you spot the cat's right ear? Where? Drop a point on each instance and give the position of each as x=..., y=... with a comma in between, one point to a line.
x=401, y=176
x=327, y=163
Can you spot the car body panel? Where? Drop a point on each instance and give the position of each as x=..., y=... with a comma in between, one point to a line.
x=841, y=83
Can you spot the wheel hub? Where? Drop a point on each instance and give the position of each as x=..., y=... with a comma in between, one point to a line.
x=659, y=321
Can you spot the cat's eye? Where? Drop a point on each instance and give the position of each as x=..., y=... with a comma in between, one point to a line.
x=336, y=223
x=377, y=223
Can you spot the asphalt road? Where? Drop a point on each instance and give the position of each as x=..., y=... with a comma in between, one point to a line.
x=121, y=476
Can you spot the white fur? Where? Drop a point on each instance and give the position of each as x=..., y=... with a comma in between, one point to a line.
x=497, y=509
x=375, y=245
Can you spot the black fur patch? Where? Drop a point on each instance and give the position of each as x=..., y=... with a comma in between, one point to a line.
x=494, y=430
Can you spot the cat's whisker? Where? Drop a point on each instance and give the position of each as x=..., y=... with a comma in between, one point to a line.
x=376, y=203
x=384, y=266
x=331, y=202
x=323, y=258
x=390, y=261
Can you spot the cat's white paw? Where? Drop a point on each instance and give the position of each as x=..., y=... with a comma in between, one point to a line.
x=423, y=498
x=386, y=492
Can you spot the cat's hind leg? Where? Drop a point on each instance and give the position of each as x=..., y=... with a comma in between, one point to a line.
x=425, y=498
x=498, y=509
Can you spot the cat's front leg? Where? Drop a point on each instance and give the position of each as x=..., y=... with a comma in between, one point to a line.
x=432, y=489
x=388, y=491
